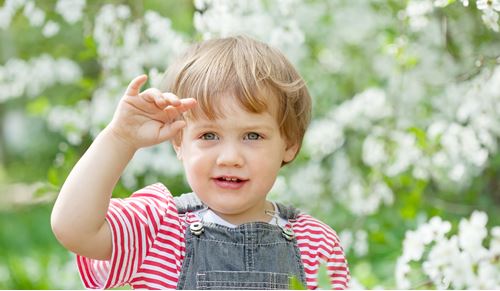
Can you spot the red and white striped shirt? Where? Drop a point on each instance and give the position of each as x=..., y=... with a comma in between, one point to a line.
x=149, y=245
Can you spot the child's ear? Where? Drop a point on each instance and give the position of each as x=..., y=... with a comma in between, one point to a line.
x=290, y=152
x=178, y=151
x=176, y=144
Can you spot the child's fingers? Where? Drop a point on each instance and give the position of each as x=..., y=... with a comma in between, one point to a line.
x=183, y=105
x=161, y=100
x=172, y=99
x=153, y=95
x=135, y=85
x=174, y=112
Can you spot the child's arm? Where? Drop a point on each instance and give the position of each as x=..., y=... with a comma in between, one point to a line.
x=141, y=120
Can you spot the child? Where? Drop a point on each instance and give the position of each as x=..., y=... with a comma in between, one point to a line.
x=236, y=112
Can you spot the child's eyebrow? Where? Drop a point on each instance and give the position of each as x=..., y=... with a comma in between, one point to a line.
x=251, y=127
x=257, y=127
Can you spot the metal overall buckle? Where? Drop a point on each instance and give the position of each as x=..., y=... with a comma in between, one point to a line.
x=286, y=231
x=196, y=228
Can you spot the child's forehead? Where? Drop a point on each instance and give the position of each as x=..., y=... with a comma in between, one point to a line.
x=228, y=105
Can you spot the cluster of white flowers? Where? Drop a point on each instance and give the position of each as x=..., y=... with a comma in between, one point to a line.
x=459, y=261
x=357, y=241
x=328, y=135
x=467, y=129
x=158, y=160
x=274, y=22
x=361, y=112
x=35, y=16
x=70, y=10
x=458, y=137
x=458, y=149
x=71, y=121
x=417, y=12
x=29, y=78
x=307, y=183
x=359, y=196
x=126, y=48
x=490, y=9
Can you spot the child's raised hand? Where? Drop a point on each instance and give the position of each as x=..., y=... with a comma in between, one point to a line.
x=148, y=118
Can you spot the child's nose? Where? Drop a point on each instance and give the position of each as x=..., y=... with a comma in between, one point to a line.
x=230, y=156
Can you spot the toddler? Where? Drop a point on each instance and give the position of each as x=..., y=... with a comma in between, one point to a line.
x=235, y=111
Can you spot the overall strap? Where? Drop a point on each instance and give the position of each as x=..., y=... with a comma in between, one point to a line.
x=287, y=212
x=188, y=202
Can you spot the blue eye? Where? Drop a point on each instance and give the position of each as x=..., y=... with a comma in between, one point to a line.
x=209, y=136
x=253, y=136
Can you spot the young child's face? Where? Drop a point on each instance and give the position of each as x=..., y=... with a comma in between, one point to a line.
x=232, y=162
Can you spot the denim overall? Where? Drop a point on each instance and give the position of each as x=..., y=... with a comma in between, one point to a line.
x=254, y=255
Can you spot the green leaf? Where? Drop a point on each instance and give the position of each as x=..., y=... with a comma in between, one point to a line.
x=295, y=284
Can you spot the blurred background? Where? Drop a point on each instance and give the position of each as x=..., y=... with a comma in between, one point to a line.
x=401, y=158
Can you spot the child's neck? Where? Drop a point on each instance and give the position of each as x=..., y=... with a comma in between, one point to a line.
x=257, y=215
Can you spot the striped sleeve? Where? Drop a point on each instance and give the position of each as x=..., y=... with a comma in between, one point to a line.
x=134, y=224
x=320, y=245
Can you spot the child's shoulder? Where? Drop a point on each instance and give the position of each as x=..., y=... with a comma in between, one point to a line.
x=156, y=189
x=154, y=196
x=309, y=226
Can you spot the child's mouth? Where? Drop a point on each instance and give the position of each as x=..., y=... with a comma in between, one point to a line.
x=227, y=179
x=229, y=182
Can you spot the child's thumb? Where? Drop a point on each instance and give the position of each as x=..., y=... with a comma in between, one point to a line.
x=135, y=85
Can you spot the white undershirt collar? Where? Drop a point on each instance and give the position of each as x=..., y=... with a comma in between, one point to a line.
x=207, y=215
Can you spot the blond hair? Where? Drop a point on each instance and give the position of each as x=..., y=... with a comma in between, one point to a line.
x=248, y=70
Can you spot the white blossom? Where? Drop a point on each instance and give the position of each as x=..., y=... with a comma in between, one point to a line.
x=490, y=19
x=158, y=159
x=8, y=10
x=472, y=232
x=70, y=10
x=374, y=152
x=50, y=29
x=495, y=241
x=306, y=182
x=363, y=109
x=273, y=23
x=487, y=278
x=460, y=261
x=413, y=246
x=417, y=11
x=73, y=122
x=406, y=153
x=488, y=4
x=323, y=138
x=30, y=78
x=361, y=243
x=401, y=270
x=441, y=3
x=35, y=15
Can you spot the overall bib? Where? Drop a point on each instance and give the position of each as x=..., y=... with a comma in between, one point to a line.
x=255, y=255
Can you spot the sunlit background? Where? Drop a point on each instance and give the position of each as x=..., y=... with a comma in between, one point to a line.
x=401, y=158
